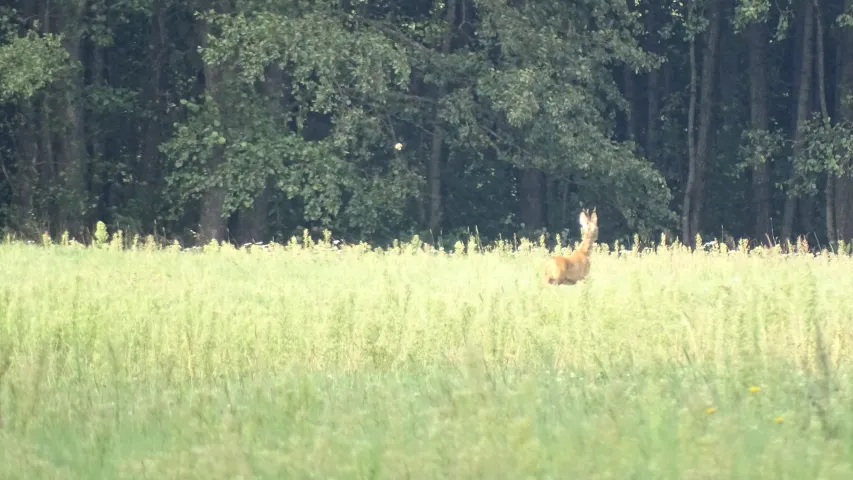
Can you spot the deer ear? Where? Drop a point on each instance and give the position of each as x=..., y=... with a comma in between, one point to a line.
x=594, y=218
x=583, y=219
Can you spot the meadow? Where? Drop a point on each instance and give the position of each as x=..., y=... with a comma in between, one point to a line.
x=303, y=360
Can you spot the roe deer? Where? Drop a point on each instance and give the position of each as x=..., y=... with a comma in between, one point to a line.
x=570, y=270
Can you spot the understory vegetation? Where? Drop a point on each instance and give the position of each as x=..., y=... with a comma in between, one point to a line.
x=308, y=359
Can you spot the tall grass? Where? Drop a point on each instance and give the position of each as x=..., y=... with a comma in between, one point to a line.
x=305, y=361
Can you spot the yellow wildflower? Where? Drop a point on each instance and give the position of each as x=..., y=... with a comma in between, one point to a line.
x=710, y=410
x=754, y=389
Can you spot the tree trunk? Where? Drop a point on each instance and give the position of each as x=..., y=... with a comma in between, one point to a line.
x=706, y=113
x=694, y=194
x=102, y=183
x=533, y=199
x=725, y=137
x=252, y=222
x=434, y=170
x=844, y=207
x=687, y=205
x=652, y=96
x=212, y=223
x=630, y=94
x=760, y=121
x=23, y=216
x=831, y=234
x=47, y=156
x=802, y=97
x=630, y=118
x=806, y=206
x=47, y=170
x=434, y=167
x=843, y=200
x=820, y=67
x=148, y=167
x=72, y=165
x=653, y=116
x=26, y=176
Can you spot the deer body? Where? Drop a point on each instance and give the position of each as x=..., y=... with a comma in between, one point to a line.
x=572, y=269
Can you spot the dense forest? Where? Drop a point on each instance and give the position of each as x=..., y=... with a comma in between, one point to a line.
x=251, y=120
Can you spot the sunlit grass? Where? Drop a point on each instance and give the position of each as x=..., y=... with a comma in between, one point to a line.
x=312, y=362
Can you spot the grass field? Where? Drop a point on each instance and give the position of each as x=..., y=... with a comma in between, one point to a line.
x=293, y=362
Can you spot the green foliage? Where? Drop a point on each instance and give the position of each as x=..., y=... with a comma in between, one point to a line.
x=844, y=20
x=758, y=147
x=553, y=110
x=309, y=45
x=750, y=11
x=332, y=177
x=552, y=94
x=340, y=175
x=825, y=150
x=296, y=108
x=760, y=11
x=101, y=100
x=29, y=63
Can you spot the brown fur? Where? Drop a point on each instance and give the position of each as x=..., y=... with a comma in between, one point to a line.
x=572, y=269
